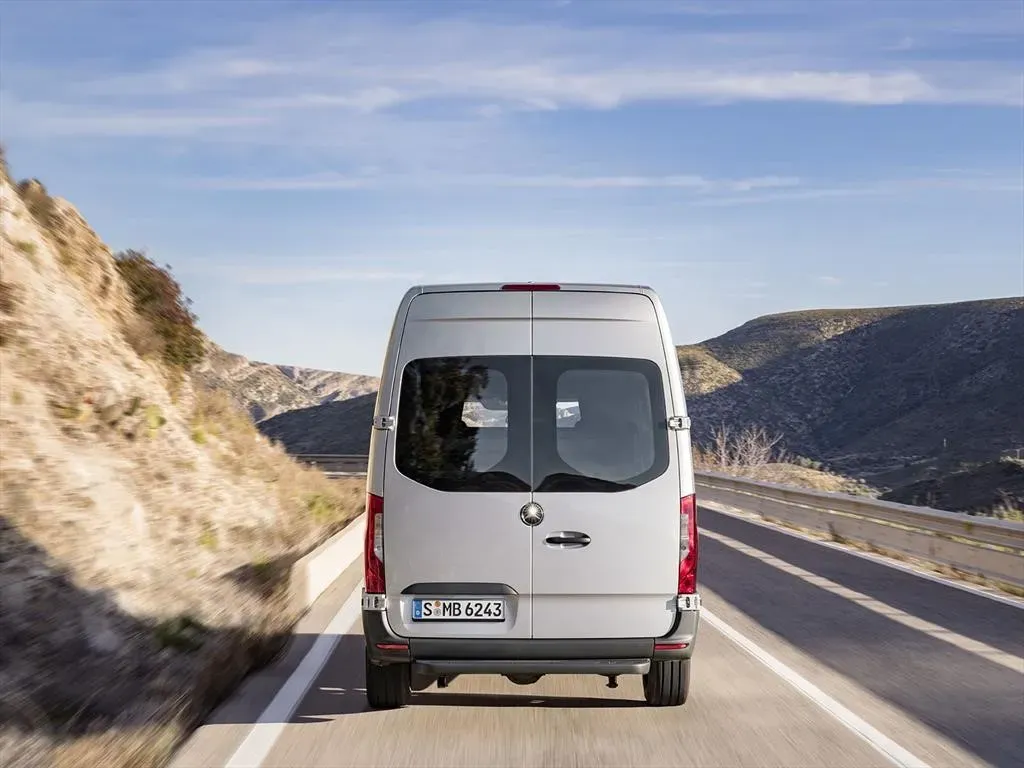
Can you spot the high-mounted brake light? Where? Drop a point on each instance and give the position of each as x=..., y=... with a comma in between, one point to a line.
x=373, y=545
x=688, y=545
x=531, y=287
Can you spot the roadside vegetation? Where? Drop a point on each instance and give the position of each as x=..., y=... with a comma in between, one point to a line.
x=146, y=526
x=755, y=453
x=989, y=489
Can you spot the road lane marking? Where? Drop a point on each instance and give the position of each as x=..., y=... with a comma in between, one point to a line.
x=964, y=643
x=889, y=562
x=893, y=751
x=271, y=723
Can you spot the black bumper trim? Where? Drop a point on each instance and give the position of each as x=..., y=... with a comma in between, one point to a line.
x=446, y=667
x=377, y=632
x=508, y=649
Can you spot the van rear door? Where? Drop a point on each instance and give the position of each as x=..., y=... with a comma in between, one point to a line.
x=457, y=468
x=605, y=471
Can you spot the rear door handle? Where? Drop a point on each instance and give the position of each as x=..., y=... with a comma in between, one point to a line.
x=567, y=540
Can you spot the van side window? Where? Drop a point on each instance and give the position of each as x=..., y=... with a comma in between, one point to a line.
x=616, y=437
x=464, y=423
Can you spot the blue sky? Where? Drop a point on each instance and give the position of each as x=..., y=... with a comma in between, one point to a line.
x=300, y=164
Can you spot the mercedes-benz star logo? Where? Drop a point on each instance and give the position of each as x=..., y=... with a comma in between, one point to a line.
x=532, y=513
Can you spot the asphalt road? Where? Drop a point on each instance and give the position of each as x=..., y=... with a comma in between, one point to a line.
x=803, y=646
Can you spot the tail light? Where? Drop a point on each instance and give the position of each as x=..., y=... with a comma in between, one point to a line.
x=373, y=545
x=688, y=545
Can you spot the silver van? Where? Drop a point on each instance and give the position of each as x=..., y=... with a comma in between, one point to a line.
x=530, y=496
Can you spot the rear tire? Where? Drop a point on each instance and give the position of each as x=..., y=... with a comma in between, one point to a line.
x=387, y=686
x=668, y=683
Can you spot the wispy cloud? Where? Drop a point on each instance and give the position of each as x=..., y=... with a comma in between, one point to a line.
x=322, y=64
x=337, y=181
x=809, y=192
x=695, y=189
x=303, y=275
x=829, y=280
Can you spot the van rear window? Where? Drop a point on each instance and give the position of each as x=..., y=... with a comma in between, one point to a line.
x=520, y=423
x=455, y=419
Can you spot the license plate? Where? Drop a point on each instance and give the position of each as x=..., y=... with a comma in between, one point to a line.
x=458, y=610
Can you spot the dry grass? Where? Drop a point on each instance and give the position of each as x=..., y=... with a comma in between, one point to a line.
x=142, y=747
x=754, y=453
x=1008, y=509
x=703, y=372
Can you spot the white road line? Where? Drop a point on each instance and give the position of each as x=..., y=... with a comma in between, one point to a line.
x=964, y=586
x=962, y=642
x=893, y=751
x=264, y=734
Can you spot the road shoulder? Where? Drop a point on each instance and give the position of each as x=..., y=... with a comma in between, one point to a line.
x=216, y=740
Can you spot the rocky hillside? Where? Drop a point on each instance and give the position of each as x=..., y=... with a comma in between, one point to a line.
x=341, y=427
x=265, y=390
x=330, y=386
x=996, y=486
x=869, y=391
x=145, y=524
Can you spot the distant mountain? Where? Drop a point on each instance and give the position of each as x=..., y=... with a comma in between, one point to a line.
x=873, y=390
x=266, y=390
x=330, y=386
x=340, y=427
x=896, y=395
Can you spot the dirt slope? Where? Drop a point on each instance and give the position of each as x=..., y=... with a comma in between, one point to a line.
x=144, y=522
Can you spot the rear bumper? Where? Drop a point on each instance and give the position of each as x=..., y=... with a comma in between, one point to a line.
x=446, y=667
x=451, y=656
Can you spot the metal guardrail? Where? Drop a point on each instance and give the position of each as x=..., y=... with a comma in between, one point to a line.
x=983, y=546
x=336, y=464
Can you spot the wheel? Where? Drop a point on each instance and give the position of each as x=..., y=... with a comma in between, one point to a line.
x=387, y=686
x=668, y=683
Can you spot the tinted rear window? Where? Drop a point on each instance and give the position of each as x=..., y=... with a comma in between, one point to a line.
x=549, y=424
x=457, y=422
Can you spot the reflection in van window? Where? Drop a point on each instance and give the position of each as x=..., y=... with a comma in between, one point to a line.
x=567, y=414
x=616, y=438
x=613, y=438
x=455, y=418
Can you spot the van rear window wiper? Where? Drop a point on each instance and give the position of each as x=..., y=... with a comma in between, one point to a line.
x=567, y=482
x=484, y=481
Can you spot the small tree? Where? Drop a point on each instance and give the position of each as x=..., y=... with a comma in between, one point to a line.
x=159, y=302
x=752, y=447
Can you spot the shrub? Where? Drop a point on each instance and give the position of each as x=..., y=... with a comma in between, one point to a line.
x=142, y=338
x=208, y=537
x=752, y=447
x=39, y=203
x=159, y=301
x=8, y=298
x=182, y=633
x=154, y=419
x=322, y=508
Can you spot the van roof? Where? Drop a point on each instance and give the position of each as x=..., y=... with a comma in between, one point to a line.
x=483, y=287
